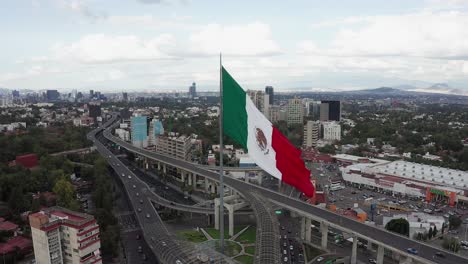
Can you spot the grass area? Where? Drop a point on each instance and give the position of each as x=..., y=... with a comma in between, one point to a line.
x=250, y=250
x=244, y=259
x=249, y=236
x=312, y=252
x=215, y=233
x=191, y=235
x=230, y=248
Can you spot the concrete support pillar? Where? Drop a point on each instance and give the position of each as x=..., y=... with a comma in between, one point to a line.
x=159, y=166
x=207, y=185
x=182, y=174
x=216, y=207
x=231, y=221
x=380, y=254
x=164, y=168
x=369, y=245
x=324, y=231
x=303, y=228
x=213, y=187
x=354, y=251
x=190, y=178
x=308, y=234
x=246, y=177
x=208, y=217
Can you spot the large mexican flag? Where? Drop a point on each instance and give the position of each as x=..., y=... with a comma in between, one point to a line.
x=270, y=149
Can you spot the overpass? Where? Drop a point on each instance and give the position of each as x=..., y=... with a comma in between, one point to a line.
x=383, y=238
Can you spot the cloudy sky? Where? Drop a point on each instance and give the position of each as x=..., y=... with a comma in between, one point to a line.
x=156, y=45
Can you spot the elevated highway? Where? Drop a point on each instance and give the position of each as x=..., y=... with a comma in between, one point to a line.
x=381, y=237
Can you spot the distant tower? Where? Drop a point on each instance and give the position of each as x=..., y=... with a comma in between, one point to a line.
x=330, y=111
x=125, y=97
x=193, y=90
x=270, y=92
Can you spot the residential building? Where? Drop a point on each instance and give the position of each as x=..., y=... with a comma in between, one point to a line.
x=261, y=101
x=311, y=133
x=295, y=112
x=139, y=134
x=123, y=134
x=94, y=109
x=63, y=236
x=176, y=146
x=274, y=114
x=330, y=111
x=271, y=94
x=331, y=131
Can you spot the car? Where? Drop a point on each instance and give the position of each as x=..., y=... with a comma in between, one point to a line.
x=185, y=197
x=138, y=237
x=129, y=176
x=285, y=237
x=285, y=252
x=140, y=249
x=139, y=210
x=144, y=257
x=284, y=244
x=353, y=192
x=134, y=186
x=289, y=231
x=291, y=247
x=412, y=251
x=163, y=243
x=282, y=227
x=165, y=187
x=148, y=215
x=446, y=215
x=320, y=259
x=439, y=254
x=285, y=259
x=178, y=262
x=372, y=261
x=137, y=194
x=123, y=175
x=141, y=201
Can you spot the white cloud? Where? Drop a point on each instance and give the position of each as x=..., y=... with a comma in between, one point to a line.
x=100, y=48
x=241, y=40
x=426, y=34
x=81, y=7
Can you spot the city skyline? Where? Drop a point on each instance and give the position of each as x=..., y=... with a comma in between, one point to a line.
x=166, y=45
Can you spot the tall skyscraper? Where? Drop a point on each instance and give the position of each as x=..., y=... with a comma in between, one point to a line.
x=330, y=111
x=91, y=94
x=52, y=95
x=295, y=112
x=311, y=133
x=125, y=97
x=63, y=236
x=139, y=131
x=261, y=101
x=193, y=90
x=269, y=90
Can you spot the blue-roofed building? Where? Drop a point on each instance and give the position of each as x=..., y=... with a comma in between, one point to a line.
x=139, y=131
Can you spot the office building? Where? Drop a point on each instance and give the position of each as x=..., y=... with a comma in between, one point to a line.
x=15, y=94
x=271, y=94
x=176, y=146
x=139, y=133
x=311, y=133
x=295, y=113
x=52, y=95
x=193, y=90
x=125, y=97
x=91, y=94
x=274, y=114
x=155, y=129
x=331, y=131
x=330, y=111
x=62, y=236
x=261, y=101
x=94, y=109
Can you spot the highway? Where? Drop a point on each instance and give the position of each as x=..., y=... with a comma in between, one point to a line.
x=379, y=236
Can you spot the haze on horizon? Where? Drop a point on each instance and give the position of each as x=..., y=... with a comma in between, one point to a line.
x=164, y=45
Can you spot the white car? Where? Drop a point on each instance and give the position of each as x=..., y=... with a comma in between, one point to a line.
x=134, y=186
x=319, y=259
x=123, y=175
x=129, y=176
x=285, y=259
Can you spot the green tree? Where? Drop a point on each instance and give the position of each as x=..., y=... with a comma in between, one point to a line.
x=434, y=231
x=454, y=222
x=65, y=194
x=399, y=225
x=430, y=234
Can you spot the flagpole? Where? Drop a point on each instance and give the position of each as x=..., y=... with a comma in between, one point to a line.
x=221, y=154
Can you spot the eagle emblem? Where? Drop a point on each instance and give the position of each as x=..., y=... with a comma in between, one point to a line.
x=261, y=140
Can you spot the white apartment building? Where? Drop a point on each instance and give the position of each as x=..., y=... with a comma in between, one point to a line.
x=62, y=236
x=178, y=147
x=261, y=101
x=123, y=134
x=331, y=131
x=274, y=114
x=311, y=133
x=295, y=113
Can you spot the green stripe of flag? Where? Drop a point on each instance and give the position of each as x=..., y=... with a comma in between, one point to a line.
x=234, y=113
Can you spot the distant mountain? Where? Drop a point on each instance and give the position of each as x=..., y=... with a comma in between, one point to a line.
x=405, y=87
x=380, y=91
x=439, y=86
